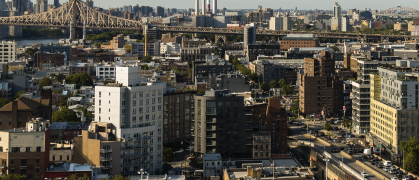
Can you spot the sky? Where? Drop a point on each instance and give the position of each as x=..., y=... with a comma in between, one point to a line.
x=274, y=4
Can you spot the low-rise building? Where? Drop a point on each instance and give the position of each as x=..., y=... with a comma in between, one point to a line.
x=293, y=40
x=213, y=165
x=55, y=59
x=262, y=144
x=60, y=152
x=7, y=51
x=26, y=150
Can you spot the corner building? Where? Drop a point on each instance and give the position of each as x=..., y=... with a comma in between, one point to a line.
x=134, y=107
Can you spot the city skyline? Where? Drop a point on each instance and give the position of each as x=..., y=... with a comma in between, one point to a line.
x=238, y=4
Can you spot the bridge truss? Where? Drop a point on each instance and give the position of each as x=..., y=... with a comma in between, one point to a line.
x=74, y=11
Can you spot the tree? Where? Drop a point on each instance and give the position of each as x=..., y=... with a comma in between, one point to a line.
x=282, y=82
x=264, y=87
x=411, y=162
x=79, y=79
x=56, y=77
x=18, y=94
x=335, y=49
x=147, y=59
x=201, y=91
x=254, y=77
x=327, y=127
x=168, y=154
x=3, y=101
x=105, y=82
x=45, y=82
x=57, y=91
x=287, y=89
x=274, y=84
x=13, y=177
x=64, y=115
x=63, y=102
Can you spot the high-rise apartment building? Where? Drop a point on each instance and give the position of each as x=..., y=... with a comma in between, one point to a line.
x=287, y=23
x=321, y=91
x=394, y=105
x=249, y=34
x=268, y=71
x=7, y=51
x=57, y=3
x=336, y=20
x=26, y=150
x=276, y=123
x=361, y=92
x=135, y=109
x=160, y=11
x=221, y=124
x=41, y=6
x=276, y=23
x=178, y=116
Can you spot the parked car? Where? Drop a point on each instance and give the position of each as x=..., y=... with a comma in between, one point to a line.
x=351, y=136
x=179, y=151
x=359, y=158
x=334, y=150
x=373, y=162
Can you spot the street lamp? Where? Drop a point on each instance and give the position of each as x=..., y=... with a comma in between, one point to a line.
x=326, y=160
x=141, y=172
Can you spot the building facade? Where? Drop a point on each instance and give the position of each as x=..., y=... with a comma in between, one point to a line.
x=221, y=125
x=320, y=90
x=7, y=51
x=135, y=109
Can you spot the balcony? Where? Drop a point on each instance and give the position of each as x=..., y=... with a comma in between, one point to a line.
x=133, y=155
x=211, y=129
x=211, y=136
x=105, y=150
x=211, y=120
x=212, y=144
x=105, y=158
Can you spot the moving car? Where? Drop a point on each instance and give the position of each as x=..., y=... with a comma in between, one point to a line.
x=364, y=174
x=379, y=165
x=342, y=148
x=386, y=169
x=373, y=162
x=334, y=150
x=392, y=171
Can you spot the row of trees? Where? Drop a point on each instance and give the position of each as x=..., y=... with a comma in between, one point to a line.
x=245, y=71
x=410, y=149
x=107, y=35
x=286, y=88
x=46, y=32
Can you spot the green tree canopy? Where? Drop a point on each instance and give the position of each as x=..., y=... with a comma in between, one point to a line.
x=56, y=77
x=264, y=87
x=18, y=94
x=327, y=127
x=287, y=89
x=411, y=162
x=147, y=59
x=282, y=82
x=200, y=91
x=13, y=177
x=3, y=101
x=64, y=115
x=254, y=77
x=45, y=82
x=274, y=84
x=79, y=79
x=168, y=154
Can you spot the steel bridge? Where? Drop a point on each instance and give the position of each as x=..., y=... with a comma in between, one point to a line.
x=74, y=11
x=79, y=12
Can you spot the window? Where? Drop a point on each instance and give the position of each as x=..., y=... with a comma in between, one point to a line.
x=38, y=149
x=28, y=149
x=38, y=161
x=23, y=162
x=53, y=157
x=1, y=148
x=68, y=157
x=15, y=149
x=12, y=161
x=10, y=120
x=61, y=157
x=37, y=170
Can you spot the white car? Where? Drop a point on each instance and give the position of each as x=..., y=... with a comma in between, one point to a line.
x=394, y=178
x=406, y=178
x=392, y=172
x=179, y=151
x=338, y=121
x=364, y=174
x=385, y=169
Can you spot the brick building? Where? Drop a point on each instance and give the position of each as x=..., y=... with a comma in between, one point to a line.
x=98, y=55
x=116, y=43
x=81, y=68
x=320, y=89
x=74, y=130
x=262, y=144
x=276, y=119
x=16, y=113
x=28, y=153
x=259, y=114
x=56, y=58
x=178, y=116
x=293, y=41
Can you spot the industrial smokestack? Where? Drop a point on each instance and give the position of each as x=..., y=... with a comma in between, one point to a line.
x=208, y=6
x=71, y=31
x=203, y=8
x=196, y=7
x=214, y=7
x=84, y=32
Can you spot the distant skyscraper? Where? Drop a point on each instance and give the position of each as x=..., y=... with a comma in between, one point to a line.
x=196, y=7
x=160, y=11
x=336, y=21
x=125, y=8
x=337, y=10
x=214, y=4
x=129, y=9
x=89, y=3
x=249, y=36
x=57, y=3
x=287, y=23
x=203, y=8
x=208, y=6
x=276, y=23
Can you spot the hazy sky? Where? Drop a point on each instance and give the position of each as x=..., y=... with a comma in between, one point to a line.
x=275, y=4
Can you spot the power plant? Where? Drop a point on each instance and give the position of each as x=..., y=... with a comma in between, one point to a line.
x=207, y=8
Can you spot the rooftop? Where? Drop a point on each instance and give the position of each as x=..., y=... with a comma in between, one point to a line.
x=212, y=156
x=58, y=125
x=70, y=167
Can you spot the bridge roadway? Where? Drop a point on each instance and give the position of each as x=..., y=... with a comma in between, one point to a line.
x=336, y=159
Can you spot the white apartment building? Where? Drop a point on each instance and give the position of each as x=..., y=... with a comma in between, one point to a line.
x=134, y=107
x=169, y=48
x=153, y=49
x=105, y=71
x=7, y=51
